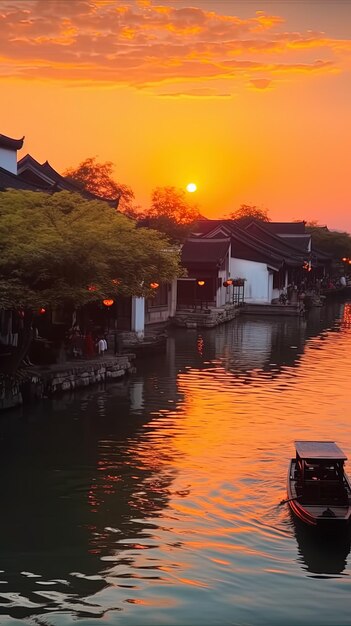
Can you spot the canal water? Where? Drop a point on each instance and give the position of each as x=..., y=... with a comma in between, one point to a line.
x=156, y=500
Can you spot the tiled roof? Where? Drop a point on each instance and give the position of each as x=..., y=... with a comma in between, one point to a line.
x=295, y=246
x=28, y=167
x=287, y=228
x=320, y=254
x=204, y=226
x=251, y=247
x=9, y=143
x=205, y=252
x=301, y=242
x=11, y=181
x=30, y=170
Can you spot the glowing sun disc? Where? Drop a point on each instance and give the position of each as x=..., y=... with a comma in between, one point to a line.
x=191, y=187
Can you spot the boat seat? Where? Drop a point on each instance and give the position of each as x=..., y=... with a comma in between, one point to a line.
x=334, y=492
x=324, y=492
x=311, y=492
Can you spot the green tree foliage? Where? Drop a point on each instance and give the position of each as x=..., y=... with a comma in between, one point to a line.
x=54, y=247
x=171, y=212
x=246, y=211
x=336, y=243
x=98, y=179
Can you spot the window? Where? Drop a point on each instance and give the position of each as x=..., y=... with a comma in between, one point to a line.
x=160, y=298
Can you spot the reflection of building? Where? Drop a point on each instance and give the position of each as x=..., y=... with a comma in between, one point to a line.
x=243, y=346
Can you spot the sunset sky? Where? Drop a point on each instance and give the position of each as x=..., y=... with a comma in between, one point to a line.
x=249, y=100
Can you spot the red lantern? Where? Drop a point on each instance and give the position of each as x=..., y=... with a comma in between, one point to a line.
x=154, y=285
x=201, y=283
x=108, y=302
x=42, y=311
x=92, y=288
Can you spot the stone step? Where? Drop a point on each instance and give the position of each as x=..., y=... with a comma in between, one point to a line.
x=272, y=309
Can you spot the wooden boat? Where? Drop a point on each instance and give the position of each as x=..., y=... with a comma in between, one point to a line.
x=319, y=490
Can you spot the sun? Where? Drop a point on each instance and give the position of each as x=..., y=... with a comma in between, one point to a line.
x=191, y=187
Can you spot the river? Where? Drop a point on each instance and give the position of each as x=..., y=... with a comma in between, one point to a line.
x=156, y=500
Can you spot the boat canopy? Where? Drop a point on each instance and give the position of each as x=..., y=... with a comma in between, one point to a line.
x=319, y=450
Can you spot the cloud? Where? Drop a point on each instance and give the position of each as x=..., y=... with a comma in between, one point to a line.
x=260, y=83
x=139, y=42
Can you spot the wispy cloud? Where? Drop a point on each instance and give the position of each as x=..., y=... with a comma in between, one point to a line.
x=146, y=45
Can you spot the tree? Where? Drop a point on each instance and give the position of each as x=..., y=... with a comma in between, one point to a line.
x=53, y=247
x=336, y=243
x=171, y=212
x=98, y=179
x=246, y=211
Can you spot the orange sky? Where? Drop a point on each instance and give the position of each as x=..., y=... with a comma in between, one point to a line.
x=250, y=100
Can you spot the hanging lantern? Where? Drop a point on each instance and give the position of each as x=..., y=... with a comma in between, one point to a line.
x=42, y=311
x=108, y=302
x=201, y=283
x=92, y=288
x=154, y=285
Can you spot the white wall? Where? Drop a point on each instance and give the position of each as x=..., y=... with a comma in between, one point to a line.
x=272, y=293
x=257, y=287
x=223, y=273
x=172, y=299
x=138, y=316
x=8, y=160
x=221, y=291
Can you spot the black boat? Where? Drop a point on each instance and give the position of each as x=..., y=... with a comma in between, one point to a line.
x=319, y=490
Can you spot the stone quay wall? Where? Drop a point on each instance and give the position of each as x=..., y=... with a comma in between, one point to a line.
x=206, y=318
x=36, y=382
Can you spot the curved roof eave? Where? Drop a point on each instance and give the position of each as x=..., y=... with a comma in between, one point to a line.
x=9, y=143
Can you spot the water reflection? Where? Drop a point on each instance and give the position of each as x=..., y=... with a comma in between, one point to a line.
x=140, y=495
x=321, y=555
x=264, y=343
x=78, y=488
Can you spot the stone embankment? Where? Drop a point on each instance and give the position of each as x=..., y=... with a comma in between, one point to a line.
x=34, y=383
x=206, y=318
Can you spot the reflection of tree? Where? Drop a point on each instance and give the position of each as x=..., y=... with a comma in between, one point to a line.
x=319, y=554
x=78, y=485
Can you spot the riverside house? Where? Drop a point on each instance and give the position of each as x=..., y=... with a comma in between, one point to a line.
x=264, y=257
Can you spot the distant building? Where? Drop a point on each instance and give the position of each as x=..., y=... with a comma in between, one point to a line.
x=267, y=256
